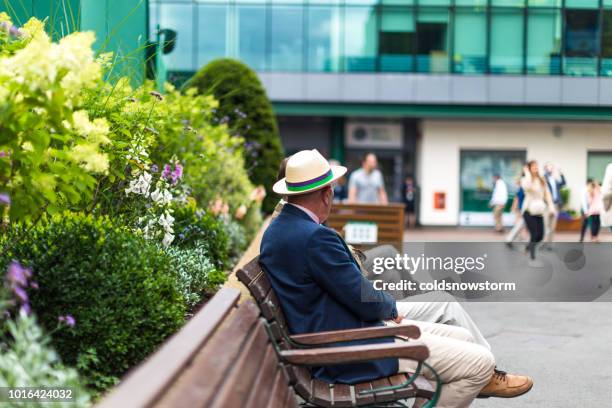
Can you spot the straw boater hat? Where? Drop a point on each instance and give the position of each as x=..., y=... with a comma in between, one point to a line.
x=307, y=171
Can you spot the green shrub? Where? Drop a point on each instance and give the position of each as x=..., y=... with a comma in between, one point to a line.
x=197, y=227
x=195, y=273
x=121, y=290
x=244, y=105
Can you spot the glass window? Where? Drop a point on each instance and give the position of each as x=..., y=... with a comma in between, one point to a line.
x=212, y=33
x=179, y=17
x=506, y=41
x=607, y=3
x=581, y=42
x=471, y=2
x=544, y=3
x=544, y=42
x=153, y=21
x=396, y=39
x=434, y=2
x=432, y=29
x=606, y=44
x=286, y=38
x=251, y=39
x=323, y=39
x=360, y=35
x=470, y=41
x=588, y=4
x=514, y=3
x=399, y=2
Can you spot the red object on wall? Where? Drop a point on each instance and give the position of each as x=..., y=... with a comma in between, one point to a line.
x=439, y=200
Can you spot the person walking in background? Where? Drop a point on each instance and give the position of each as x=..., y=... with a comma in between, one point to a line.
x=519, y=222
x=366, y=185
x=584, y=208
x=592, y=207
x=555, y=182
x=498, y=201
x=536, y=203
x=606, y=196
x=409, y=195
x=340, y=187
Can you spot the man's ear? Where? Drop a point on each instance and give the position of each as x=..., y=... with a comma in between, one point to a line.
x=325, y=195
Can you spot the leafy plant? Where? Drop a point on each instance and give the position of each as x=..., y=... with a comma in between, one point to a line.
x=121, y=290
x=195, y=273
x=49, y=147
x=246, y=109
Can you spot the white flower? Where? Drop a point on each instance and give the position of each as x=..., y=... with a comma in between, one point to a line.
x=168, y=238
x=140, y=185
x=167, y=221
x=161, y=197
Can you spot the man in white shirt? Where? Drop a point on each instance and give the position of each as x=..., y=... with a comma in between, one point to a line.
x=498, y=201
x=366, y=185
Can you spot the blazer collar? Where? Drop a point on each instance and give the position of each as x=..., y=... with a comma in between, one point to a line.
x=293, y=210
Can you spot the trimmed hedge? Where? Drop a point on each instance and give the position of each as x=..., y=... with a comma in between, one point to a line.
x=120, y=288
x=244, y=105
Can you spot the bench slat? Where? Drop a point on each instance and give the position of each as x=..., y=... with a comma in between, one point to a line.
x=279, y=391
x=144, y=384
x=200, y=382
x=265, y=380
x=363, y=399
x=239, y=381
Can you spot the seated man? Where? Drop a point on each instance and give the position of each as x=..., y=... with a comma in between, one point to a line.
x=320, y=287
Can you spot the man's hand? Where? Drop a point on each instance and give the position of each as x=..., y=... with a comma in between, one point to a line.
x=398, y=319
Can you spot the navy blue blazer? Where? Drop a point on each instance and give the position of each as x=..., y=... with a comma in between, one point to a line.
x=320, y=287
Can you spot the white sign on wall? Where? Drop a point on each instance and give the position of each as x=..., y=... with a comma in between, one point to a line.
x=373, y=135
x=361, y=232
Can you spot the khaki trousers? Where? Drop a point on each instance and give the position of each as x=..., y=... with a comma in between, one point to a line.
x=498, y=212
x=463, y=366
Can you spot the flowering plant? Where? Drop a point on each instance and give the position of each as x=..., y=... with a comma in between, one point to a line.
x=50, y=149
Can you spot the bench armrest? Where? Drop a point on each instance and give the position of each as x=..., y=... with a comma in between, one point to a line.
x=336, y=336
x=414, y=350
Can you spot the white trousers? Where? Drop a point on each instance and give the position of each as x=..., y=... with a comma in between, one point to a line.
x=458, y=351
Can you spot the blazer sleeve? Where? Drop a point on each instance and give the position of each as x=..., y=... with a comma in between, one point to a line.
x=333, y=269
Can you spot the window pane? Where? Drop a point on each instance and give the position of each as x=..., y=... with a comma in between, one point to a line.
x=515, y=3
x=360, y=43
x=212, y=33
x=589, y=4
x=471, y=2
x=544, y=3
x=400, y=2
x=286, y=38
x=323, y=42
x=470, y=41
x=581, y=42
x=153, y=21
x=506, y=41
x=434, y=2
x=396, y=40
x=607, y=3
x=432, y=40
x=606, y=46
x=251, y=24
x=544, y=42
x=179, y=17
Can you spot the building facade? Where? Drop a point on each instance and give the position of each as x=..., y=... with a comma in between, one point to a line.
x=449, y=91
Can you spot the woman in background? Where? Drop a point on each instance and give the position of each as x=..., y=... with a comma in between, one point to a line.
x=606, y=195
x=536, y=203
x=592, y=207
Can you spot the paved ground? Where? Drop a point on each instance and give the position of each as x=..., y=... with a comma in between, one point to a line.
x=565, y=347
x=482, y=235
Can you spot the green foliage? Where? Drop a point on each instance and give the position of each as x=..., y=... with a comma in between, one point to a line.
x=50, y=148
x=121, y=290
x=195, y=272
x=244, y=105
x=28, y=360
x=565, y=193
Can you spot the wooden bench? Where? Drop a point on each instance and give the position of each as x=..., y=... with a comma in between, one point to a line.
x=388, y=218
x=225, y=357
x=318, y=393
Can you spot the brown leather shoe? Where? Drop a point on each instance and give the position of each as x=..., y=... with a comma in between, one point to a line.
x=504, y=385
